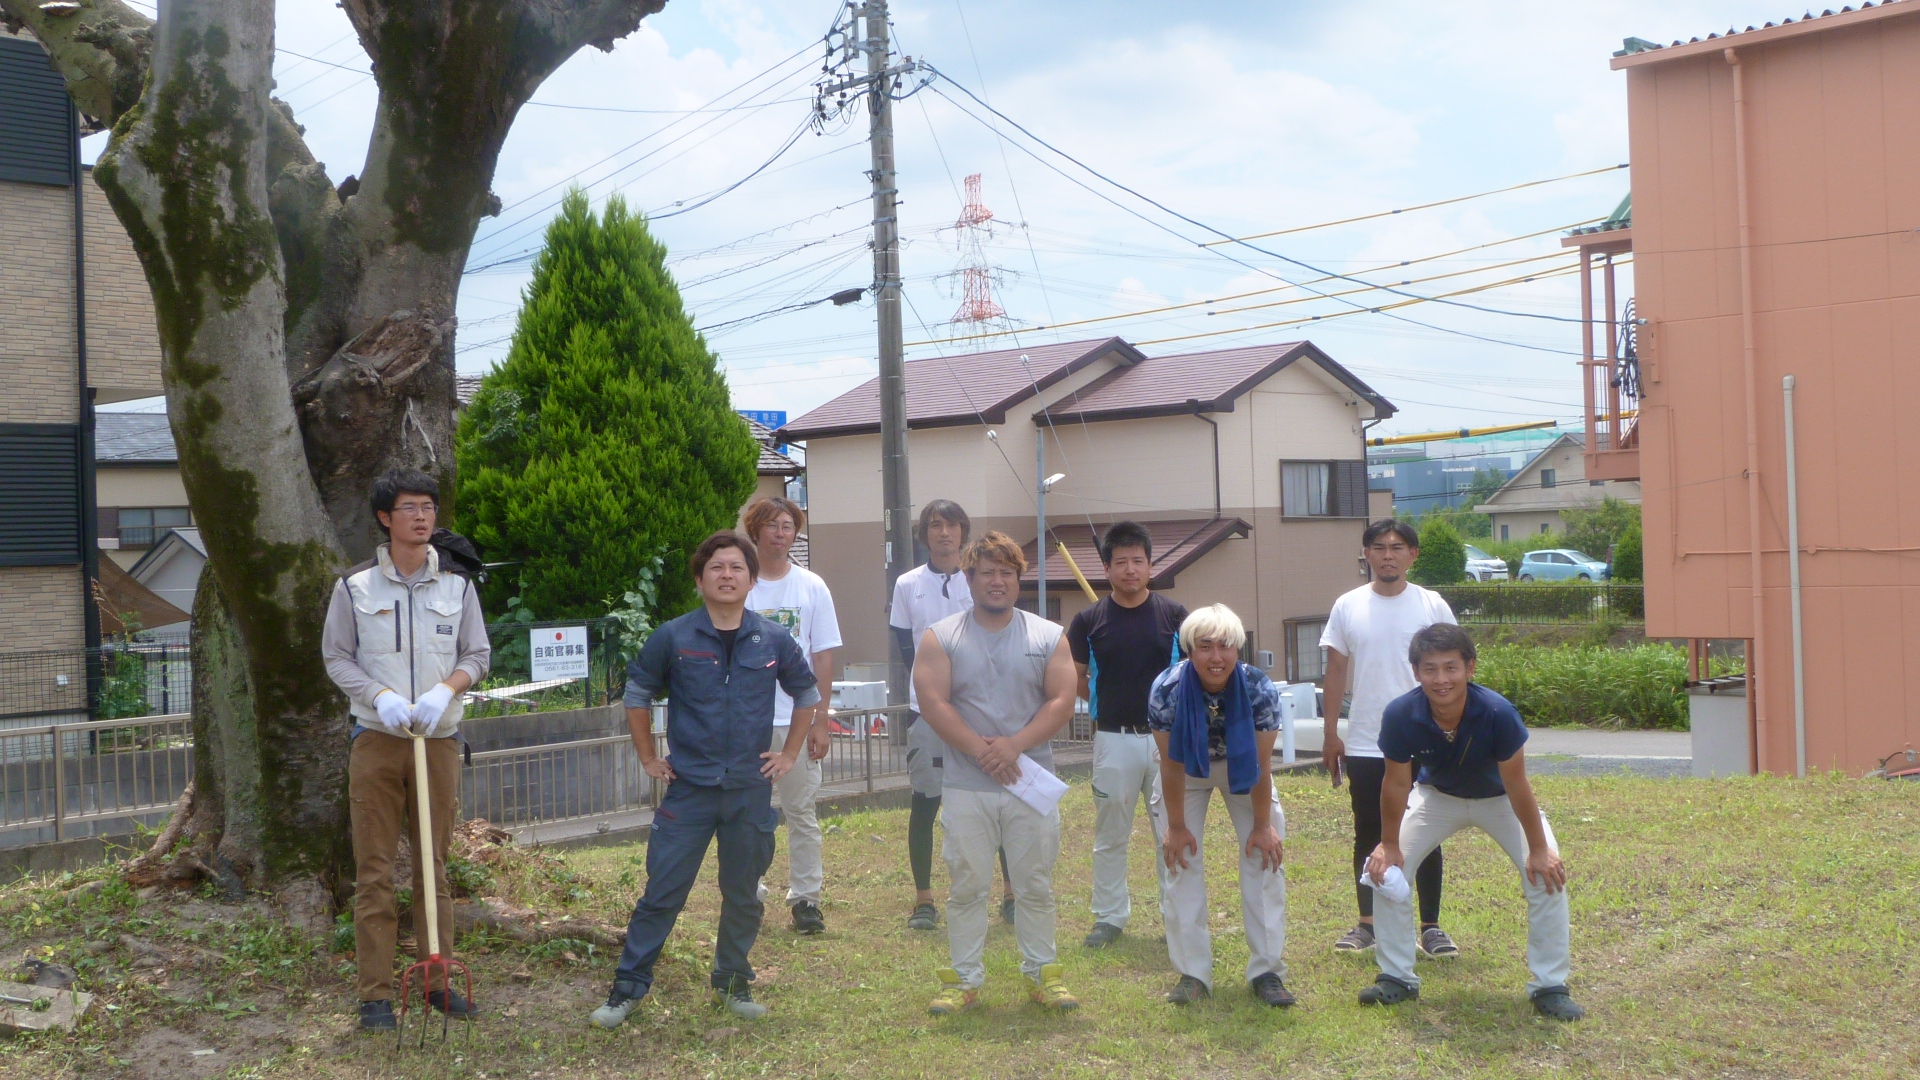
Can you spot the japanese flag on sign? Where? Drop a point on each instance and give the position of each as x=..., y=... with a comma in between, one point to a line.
x=559, y=652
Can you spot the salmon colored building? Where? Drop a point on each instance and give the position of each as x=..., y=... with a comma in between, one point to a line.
x=1775, y=235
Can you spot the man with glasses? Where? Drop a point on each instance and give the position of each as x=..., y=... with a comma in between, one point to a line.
x=404, y=638
x=797, y=599
x=1366, y=641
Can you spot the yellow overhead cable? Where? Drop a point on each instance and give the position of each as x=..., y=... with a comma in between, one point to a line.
x=1564, y=255
x=1077, y=575
x=1255, y=292
x=1407, y=209
x=1368, y=310
x=1463, y=433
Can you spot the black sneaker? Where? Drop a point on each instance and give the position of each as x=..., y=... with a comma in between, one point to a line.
x=451, y=1003
x=1387, y=990
x=807, y=918
x=1102, y=935
x=1006, y=910
x=1555, y=1003
x=377, y=1016
x=1358, y=939
x=924, y=917
x=1272, y=991
x=1187, y=991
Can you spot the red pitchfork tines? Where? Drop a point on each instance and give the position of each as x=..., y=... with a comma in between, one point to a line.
x=435, y=968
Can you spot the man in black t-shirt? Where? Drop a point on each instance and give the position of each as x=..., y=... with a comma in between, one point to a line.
x=1119, y=645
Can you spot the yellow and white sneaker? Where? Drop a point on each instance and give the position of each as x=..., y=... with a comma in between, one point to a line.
x=951, y=999
x=1051, y=990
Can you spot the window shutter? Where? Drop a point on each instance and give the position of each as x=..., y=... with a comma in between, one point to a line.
x=36, y=133
x=1350, y=489
x=40, y=501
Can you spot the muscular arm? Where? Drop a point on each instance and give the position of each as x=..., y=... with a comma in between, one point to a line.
x=1057, y=710
x=1394, y=789
x=1332, y=749
x=933, y=682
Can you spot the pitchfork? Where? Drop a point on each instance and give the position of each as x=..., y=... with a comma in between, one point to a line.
x=434, y=965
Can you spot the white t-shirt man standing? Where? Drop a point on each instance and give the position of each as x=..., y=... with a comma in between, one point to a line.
x=797, y=599
x=1366, y=638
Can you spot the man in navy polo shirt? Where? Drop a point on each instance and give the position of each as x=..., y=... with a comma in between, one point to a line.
x=718, y=665
x=1467, y=741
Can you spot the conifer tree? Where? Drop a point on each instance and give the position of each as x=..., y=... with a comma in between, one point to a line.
x=607, y=438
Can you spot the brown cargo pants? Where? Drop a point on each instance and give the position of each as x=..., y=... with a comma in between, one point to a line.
x=380, y=788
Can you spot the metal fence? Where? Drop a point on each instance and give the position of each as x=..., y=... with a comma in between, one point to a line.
x=112, y=681
x=1538, y=602
x=54, y=777
x=57, y=777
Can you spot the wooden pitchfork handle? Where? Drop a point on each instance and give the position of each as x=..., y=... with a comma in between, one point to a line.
x=423, y=856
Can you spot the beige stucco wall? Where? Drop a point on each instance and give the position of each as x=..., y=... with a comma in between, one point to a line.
x=139, y=486
x=123, y=346
x=1153, y=468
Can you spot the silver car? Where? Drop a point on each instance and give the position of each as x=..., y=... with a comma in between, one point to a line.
x=1484, y=567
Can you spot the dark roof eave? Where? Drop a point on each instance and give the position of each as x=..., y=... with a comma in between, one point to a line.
x=1135, y=412
x=792, y=435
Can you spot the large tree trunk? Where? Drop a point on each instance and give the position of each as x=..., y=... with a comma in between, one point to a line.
x=306, y=334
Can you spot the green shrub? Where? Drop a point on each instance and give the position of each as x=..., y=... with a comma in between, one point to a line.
x=1443, y=555
x=1627, y=559
x=1596, y=529
x=1545, y=601
x=1589, y=685
x=607, y=438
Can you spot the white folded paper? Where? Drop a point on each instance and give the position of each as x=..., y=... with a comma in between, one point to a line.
x=1037, y=787
x=1393, y=885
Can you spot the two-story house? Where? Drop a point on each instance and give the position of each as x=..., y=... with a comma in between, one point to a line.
x=1247, y=465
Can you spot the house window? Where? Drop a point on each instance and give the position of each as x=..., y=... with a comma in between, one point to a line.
x=1548, y=478
x=1545, y=528
x=1323, y=489
x=1306, y=660
x=1503, y=532
x=143, y=526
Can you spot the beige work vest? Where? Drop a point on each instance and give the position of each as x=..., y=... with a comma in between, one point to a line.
x=408, y=634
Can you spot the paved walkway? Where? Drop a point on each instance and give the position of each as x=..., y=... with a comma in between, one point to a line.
x=1541, y=742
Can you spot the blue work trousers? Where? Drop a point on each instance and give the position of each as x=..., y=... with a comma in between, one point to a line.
x=689, y=818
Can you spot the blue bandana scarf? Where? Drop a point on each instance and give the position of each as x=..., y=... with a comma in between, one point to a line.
x=1187, y=742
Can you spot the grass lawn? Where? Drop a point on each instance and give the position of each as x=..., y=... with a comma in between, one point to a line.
x=1760, y=928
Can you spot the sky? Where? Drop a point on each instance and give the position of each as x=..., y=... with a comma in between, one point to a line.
x=1242, y=116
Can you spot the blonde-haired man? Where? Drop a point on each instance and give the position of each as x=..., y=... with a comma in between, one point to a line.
x=797, y=599
x=996, y=684
x=1214, y=719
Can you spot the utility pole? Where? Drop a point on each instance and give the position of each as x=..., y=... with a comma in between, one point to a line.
x=897, y=500
x=878, y=82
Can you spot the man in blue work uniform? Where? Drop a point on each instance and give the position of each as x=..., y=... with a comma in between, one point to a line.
x=718, y=665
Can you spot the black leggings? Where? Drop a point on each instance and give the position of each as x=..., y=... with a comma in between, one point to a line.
x=1364, y=777
x=920, y=842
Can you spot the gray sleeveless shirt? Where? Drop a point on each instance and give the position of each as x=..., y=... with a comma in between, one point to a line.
x=999, y=683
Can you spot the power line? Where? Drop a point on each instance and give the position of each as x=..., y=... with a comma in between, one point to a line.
x=1421, y=206
x=1223, y=235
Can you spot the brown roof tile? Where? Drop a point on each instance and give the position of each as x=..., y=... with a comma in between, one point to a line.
x=1177, y=544
x=1164, y=385
x=943, y=391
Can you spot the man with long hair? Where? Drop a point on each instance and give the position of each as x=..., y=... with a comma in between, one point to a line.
x=797, y=599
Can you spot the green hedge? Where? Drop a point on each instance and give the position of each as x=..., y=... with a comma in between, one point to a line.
x=1590, y=686
x=1521, y=602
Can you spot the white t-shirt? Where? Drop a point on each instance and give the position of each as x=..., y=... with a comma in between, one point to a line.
x=801, y=603
x=921, y=597
x=1373, y=631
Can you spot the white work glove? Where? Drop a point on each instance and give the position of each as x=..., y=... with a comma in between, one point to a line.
x=395, y=713
x=1393, y=885
x=426, y=711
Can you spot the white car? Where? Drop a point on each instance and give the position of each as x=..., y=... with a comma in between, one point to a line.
x=1484, y=567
